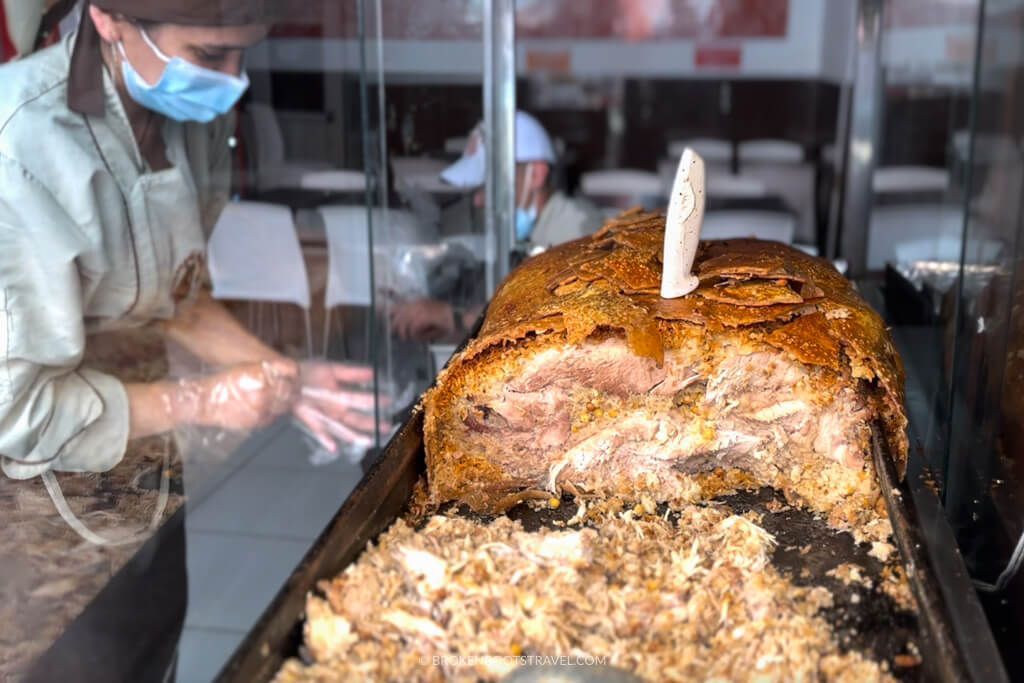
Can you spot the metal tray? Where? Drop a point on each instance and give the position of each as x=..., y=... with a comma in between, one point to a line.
x=868, y=622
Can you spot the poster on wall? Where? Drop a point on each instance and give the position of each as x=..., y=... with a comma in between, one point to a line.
x=639, y=20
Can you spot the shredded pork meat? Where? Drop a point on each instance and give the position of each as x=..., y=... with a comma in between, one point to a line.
x=691, y=599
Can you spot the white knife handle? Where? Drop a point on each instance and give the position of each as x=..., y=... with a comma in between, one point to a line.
x=682, y=227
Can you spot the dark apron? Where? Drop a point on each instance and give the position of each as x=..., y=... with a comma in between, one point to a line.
x=130, y=630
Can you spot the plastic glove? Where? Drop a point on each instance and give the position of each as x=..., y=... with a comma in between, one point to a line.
x=337, y=404
x=243, y=397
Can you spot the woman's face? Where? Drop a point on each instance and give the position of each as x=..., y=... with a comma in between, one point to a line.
x=219, y=48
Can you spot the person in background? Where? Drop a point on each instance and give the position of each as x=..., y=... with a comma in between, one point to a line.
x=544, y=216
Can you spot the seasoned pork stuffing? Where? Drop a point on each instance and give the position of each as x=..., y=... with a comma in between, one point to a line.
x=694, y=599
x=582, y=379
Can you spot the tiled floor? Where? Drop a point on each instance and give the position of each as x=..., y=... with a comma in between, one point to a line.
x=246, y=533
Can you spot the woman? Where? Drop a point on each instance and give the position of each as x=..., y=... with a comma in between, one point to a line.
x=114, y=164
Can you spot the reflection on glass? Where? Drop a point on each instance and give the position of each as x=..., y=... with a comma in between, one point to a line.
x=984, y=467
x=945, y=229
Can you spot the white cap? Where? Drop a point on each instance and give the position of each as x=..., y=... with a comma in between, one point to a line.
x=532, y=144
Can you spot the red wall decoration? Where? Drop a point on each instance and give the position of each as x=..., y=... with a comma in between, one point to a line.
x=547, y=19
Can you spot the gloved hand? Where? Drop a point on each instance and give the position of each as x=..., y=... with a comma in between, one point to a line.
x=242, y=397
x=337, y=405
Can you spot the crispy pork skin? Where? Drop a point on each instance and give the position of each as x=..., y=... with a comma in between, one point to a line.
x=584, y=379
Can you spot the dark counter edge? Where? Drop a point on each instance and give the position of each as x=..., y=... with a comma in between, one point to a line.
x=953, y=620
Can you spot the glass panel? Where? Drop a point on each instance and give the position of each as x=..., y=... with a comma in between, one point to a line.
x=424, y=100
x=915, y=233
x=172, y=320
x=985, y=476
x=945, y=231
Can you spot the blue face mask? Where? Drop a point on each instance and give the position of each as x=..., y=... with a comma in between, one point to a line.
x=185, y=92
x=525, y=218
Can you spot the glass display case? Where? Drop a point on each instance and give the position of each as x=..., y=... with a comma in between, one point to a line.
x=388, y=164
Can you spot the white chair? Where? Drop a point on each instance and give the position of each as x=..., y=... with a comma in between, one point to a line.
x=714, y=151
x=272, y=168
x=348, y=256
x=780, y=165
x=734, y=186
x=770, y=150
x=721, y=183
x=893, y=179
x=924, y=232
x=621, y=181
x=270, y=139
x=334, y=181
x=765, y=225
x=254, y=255
x=989, y=148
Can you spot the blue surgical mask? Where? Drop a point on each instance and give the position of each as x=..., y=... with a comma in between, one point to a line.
x=185, y=91
x=525, y=218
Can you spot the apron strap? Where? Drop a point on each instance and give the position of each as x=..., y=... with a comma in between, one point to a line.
x=53, y=488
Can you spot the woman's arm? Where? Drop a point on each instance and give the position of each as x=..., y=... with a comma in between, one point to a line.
x=209, y=331
x=54, y=414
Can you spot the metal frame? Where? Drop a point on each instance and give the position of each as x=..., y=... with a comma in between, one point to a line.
x=364, y=120
x=499, y=124
x=841, y=153
x=865, y=137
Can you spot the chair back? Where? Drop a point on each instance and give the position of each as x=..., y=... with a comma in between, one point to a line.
x=765, y=225
x=337, y=180
x=711, y=150
x=348, y=253
x=254, y=254
x=893, y=179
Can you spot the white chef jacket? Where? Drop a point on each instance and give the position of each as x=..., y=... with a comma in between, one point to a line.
x=564, y=219
x=91, y=239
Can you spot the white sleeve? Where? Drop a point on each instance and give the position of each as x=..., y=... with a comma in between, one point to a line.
x=53, y=415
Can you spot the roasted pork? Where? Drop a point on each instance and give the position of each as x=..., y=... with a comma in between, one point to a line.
x=582, y=379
